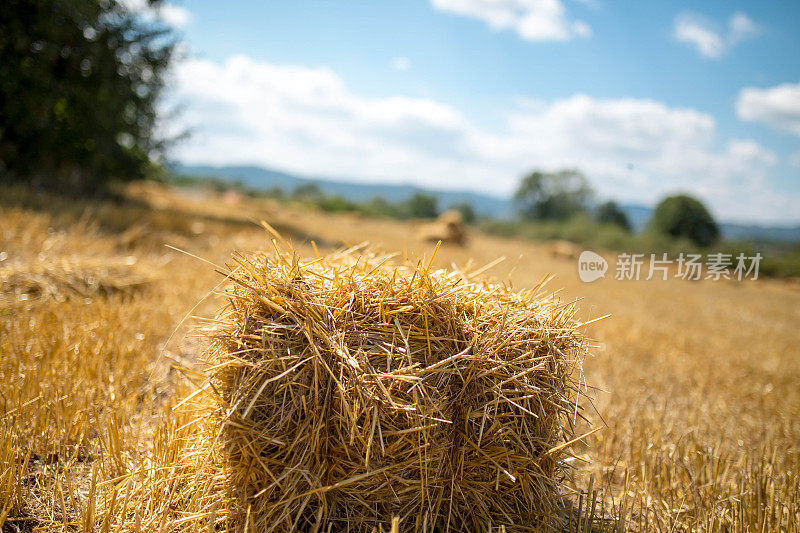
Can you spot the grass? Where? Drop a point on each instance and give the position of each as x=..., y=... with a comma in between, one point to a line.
x=696, y=383
x=779, y=259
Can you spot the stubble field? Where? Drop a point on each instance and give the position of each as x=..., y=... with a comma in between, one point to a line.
x=695, y=386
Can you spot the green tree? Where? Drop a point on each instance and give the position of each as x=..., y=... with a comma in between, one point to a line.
x=378, y=206
x=80, y=82
x=684, y=216
x=421, y=206
x=552, y=195
x=275, y=192
x=335, y=203
x=610, y=213
x=308, y=191
x=467, y=212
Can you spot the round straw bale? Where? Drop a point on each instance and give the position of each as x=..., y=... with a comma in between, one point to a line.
x=352, y=391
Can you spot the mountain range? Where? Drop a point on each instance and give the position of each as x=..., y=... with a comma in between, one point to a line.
x=259, y=178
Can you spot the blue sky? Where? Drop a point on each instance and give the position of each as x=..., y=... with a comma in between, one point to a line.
x=647, y=98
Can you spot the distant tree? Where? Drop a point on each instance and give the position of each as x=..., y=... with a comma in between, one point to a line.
x=684, y=216
x=336, y=203
x=80, y=81
x=421, y=206
x=552, y=196
x=378, y=206
x=610, y=213
x=275, y=192
x=308, y=191
x=467, y=212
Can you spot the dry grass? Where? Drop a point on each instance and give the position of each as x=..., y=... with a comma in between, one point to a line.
x=702, y=413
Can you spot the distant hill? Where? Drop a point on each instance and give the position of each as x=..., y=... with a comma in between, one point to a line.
x=745, y=232
x=263, y=179
x=260, y=178
x=639, y=215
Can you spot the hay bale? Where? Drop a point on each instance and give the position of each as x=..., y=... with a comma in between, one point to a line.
x=565, y=250
x=64, y=278
x=448, y=228
x=451, y=217
x=352, y=391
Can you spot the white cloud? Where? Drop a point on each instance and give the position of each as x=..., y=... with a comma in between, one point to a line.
x=778, y=107
x=307, y=121
x=533, y=20
x=741, y=27
x=175, y=16
x=750, y=152
x=639, y=150
x=401, y=63
x=707, y=42
x=169, y=14
x=710, y=40
x=794, y=159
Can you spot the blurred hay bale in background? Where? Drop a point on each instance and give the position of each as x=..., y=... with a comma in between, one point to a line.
x=448, y=228
x=351, y=391
x=565, y=250
x=63, y=278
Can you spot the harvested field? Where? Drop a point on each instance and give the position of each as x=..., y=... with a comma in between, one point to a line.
x=697, y=384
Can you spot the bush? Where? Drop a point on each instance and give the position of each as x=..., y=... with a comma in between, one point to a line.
x=421, y=206
x=610, y=213
x=587, y=232
x=335, y=204
x=552, y=196
x=380, y=207
x=785, y=265
x=684, y=216
x=275, y=192
x=308, y=191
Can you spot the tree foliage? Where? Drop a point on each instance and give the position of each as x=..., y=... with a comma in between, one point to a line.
x=80, y=81
x=610, y=213
x=421, y=206
x=552, y=195
x=468, y=214
x=308, y=191
x=684, y=216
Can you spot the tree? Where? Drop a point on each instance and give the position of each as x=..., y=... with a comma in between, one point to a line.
x=552, y=196
x=467, y=212
x=610, y=213
x=684, y=216
x=421, y=206
x=377, y=206
x=308, y=191
x=275, y=192
x=80, y=81
x=336, y=203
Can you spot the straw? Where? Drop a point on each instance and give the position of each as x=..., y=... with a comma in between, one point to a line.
x=351, y=391
x=70, y=278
